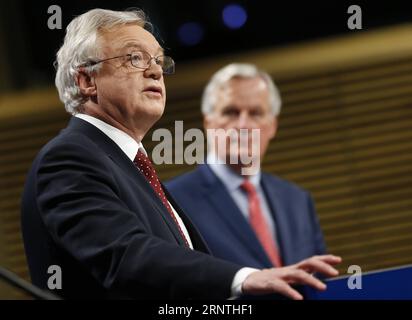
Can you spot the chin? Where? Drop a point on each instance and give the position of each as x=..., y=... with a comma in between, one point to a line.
x=156, y=109
x=158, y=112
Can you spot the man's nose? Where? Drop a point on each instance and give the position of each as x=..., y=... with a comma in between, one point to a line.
x=244, y=121
x=154, y=70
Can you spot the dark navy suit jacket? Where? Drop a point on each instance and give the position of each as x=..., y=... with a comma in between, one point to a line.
x=87, y=209
x=229, y=235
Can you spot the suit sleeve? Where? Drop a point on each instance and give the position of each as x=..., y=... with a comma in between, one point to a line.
x=82, y=209
x=317, y=231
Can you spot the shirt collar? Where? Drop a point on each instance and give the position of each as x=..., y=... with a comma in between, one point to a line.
x=229, y=178
x=125, y=142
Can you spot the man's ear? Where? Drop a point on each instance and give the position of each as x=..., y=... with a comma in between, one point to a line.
x=206, y=121
x=86, y=84
x=274, y=127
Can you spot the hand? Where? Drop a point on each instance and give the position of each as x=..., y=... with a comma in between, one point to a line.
x=278, y=280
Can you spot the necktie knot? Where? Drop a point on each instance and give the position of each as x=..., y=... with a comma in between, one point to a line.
x=248, y=187
x=143, y=163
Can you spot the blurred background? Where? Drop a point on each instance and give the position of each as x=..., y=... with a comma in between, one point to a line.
x=345, y=130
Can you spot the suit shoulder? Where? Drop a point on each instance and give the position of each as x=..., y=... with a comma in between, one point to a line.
x=283, y=184
x=188, y=179
x=70, y=140
x=69, y=145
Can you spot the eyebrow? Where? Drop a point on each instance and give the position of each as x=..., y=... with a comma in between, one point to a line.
x=140, y=47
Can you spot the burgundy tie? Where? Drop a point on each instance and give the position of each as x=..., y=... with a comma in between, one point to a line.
x=145, y=166
x=259, y=224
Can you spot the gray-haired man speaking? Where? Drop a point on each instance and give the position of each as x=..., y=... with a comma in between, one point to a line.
x=92, y=202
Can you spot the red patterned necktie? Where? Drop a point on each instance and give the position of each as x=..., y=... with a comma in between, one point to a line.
x=145, y=166
x=259, y=224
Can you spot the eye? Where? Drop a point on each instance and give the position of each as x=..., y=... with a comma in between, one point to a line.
x=256, y=113
x=230, y=112
x=160, y=60
x=136, y=58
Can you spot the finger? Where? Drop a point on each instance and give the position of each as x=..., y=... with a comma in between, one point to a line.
x=330, y=259
x=321, y=264
x=301, y=277
x=317, y=265
x=283, y=288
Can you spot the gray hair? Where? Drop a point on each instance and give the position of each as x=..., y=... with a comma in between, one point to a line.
x=238, y=70
x=81, y=46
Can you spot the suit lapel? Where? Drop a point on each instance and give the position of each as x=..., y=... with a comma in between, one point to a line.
x=197, y=240
x=121, y=160
x=230, y=214
x=124, y=163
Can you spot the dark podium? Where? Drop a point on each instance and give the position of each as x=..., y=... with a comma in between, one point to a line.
x=386, y=284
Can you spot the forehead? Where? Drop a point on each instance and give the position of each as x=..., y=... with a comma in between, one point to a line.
x=129, y=36
x=244, y=91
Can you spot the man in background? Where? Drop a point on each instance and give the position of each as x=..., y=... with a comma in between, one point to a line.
x=255, y=219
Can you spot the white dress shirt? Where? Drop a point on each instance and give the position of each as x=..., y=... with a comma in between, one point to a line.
x=130, y=147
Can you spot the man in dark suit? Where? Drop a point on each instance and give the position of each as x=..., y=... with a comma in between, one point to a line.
x=93, y=204
x=239, y=96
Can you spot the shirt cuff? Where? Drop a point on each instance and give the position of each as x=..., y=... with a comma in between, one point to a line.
x=238, y=280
